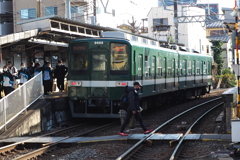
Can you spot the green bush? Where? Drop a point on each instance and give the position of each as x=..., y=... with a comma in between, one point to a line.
x=228, y=79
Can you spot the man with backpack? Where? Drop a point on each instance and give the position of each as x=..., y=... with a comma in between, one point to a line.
x=133, y=109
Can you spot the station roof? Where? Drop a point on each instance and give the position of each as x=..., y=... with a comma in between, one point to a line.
x=57, y=31
x=224, y=39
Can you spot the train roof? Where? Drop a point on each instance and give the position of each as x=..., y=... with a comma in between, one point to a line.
x=139, y=41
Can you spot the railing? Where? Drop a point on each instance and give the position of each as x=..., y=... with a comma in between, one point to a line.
x=20, y=99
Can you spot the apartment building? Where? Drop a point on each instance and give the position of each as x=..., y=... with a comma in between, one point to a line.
x=6, y=17
x=162, y=27
x=80, y=10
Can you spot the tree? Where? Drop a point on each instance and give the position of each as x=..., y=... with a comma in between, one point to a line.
x=228, y=79
x=134, y=27
x=217, y=55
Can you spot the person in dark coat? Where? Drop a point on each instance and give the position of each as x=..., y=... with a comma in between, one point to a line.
x=31, y=68
x=37, y=69
x=23, y=74
x=59, y=73
x=13, y=70
x=47, y=78
x=7, y=81
x=133, y=109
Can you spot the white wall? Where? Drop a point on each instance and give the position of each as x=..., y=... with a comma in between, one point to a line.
x=193, y=35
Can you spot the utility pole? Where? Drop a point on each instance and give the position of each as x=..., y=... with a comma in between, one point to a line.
x=237, y=57
x=68, y=9
x=94, y=10
x=38, y=8
x=175, y=16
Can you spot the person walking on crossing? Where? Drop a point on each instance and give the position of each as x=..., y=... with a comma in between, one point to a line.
x=133, y=108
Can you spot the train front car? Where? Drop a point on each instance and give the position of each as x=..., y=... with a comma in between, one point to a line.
x=98, y=74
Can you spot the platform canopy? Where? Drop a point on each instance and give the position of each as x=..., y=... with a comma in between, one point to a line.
x=61, y=30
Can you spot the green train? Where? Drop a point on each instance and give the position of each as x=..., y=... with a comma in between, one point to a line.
x=100, y=68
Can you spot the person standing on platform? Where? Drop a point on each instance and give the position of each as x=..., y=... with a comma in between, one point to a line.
x=31, y=68
x=13, y=70
x=59, y=73
x=47, y=78
x=37, y=69
x=133, y=108
x=7, y=81
x=23, y=74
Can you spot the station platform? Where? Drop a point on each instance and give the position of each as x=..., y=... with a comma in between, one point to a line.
x=153, y=137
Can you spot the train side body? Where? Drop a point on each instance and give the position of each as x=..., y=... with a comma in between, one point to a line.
x=99, y=70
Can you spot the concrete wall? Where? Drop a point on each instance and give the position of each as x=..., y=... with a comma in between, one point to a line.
x=42, y=116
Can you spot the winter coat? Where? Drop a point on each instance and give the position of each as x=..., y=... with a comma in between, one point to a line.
x=37, y=70
x=47, y=73
x=23, y=75
x=7, y=79
x=133, y=99
x=60, y=71
x=13, y=70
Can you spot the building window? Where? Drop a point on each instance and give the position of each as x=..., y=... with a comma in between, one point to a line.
x=158, y=24
x=77, y=9
x=51, y=11
x=29, y=13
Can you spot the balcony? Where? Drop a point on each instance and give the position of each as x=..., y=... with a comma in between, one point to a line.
x=6, y=7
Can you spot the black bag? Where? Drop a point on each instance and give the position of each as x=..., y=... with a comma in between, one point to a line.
x=124, y=101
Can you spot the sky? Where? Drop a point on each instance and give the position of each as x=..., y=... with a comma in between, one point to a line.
x=125, y=9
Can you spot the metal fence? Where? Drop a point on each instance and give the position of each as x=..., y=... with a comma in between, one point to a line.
x=20, y=99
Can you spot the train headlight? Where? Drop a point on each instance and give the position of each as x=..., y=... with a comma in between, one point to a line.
x=121, y=84
x=72, y=91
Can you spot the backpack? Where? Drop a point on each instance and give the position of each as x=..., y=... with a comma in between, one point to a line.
x=124, y=101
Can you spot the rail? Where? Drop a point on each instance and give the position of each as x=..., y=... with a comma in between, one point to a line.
x=130, y=150
x=20, y=99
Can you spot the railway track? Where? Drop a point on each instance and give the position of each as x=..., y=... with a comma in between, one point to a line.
x=73, y=131
x=142, y=148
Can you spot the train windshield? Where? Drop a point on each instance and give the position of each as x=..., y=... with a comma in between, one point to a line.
x=119, y=57
x=79, y=57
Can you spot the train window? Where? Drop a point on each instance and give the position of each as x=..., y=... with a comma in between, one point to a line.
x=147, y=66
x=180, y=67
x=204, y=68
x=159, y=67
x=144, y=41
x=119, y=57
x=194, y=67
x=140, y=65
x=99, y=62
x=197, y=68
x=134, y=38
x=169, y=72
x=153, y=65
x=209, y=68
x=189, y=67
x=79, y=57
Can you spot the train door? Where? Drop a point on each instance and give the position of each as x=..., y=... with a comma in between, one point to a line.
x=154, y=62
x=185, y=72
x=134, y=66
x=139, y=76
x=174, y=73
x=99, y=67
x=165, y=72
x=99, y=73
x=194, y=72
x=202, y=72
